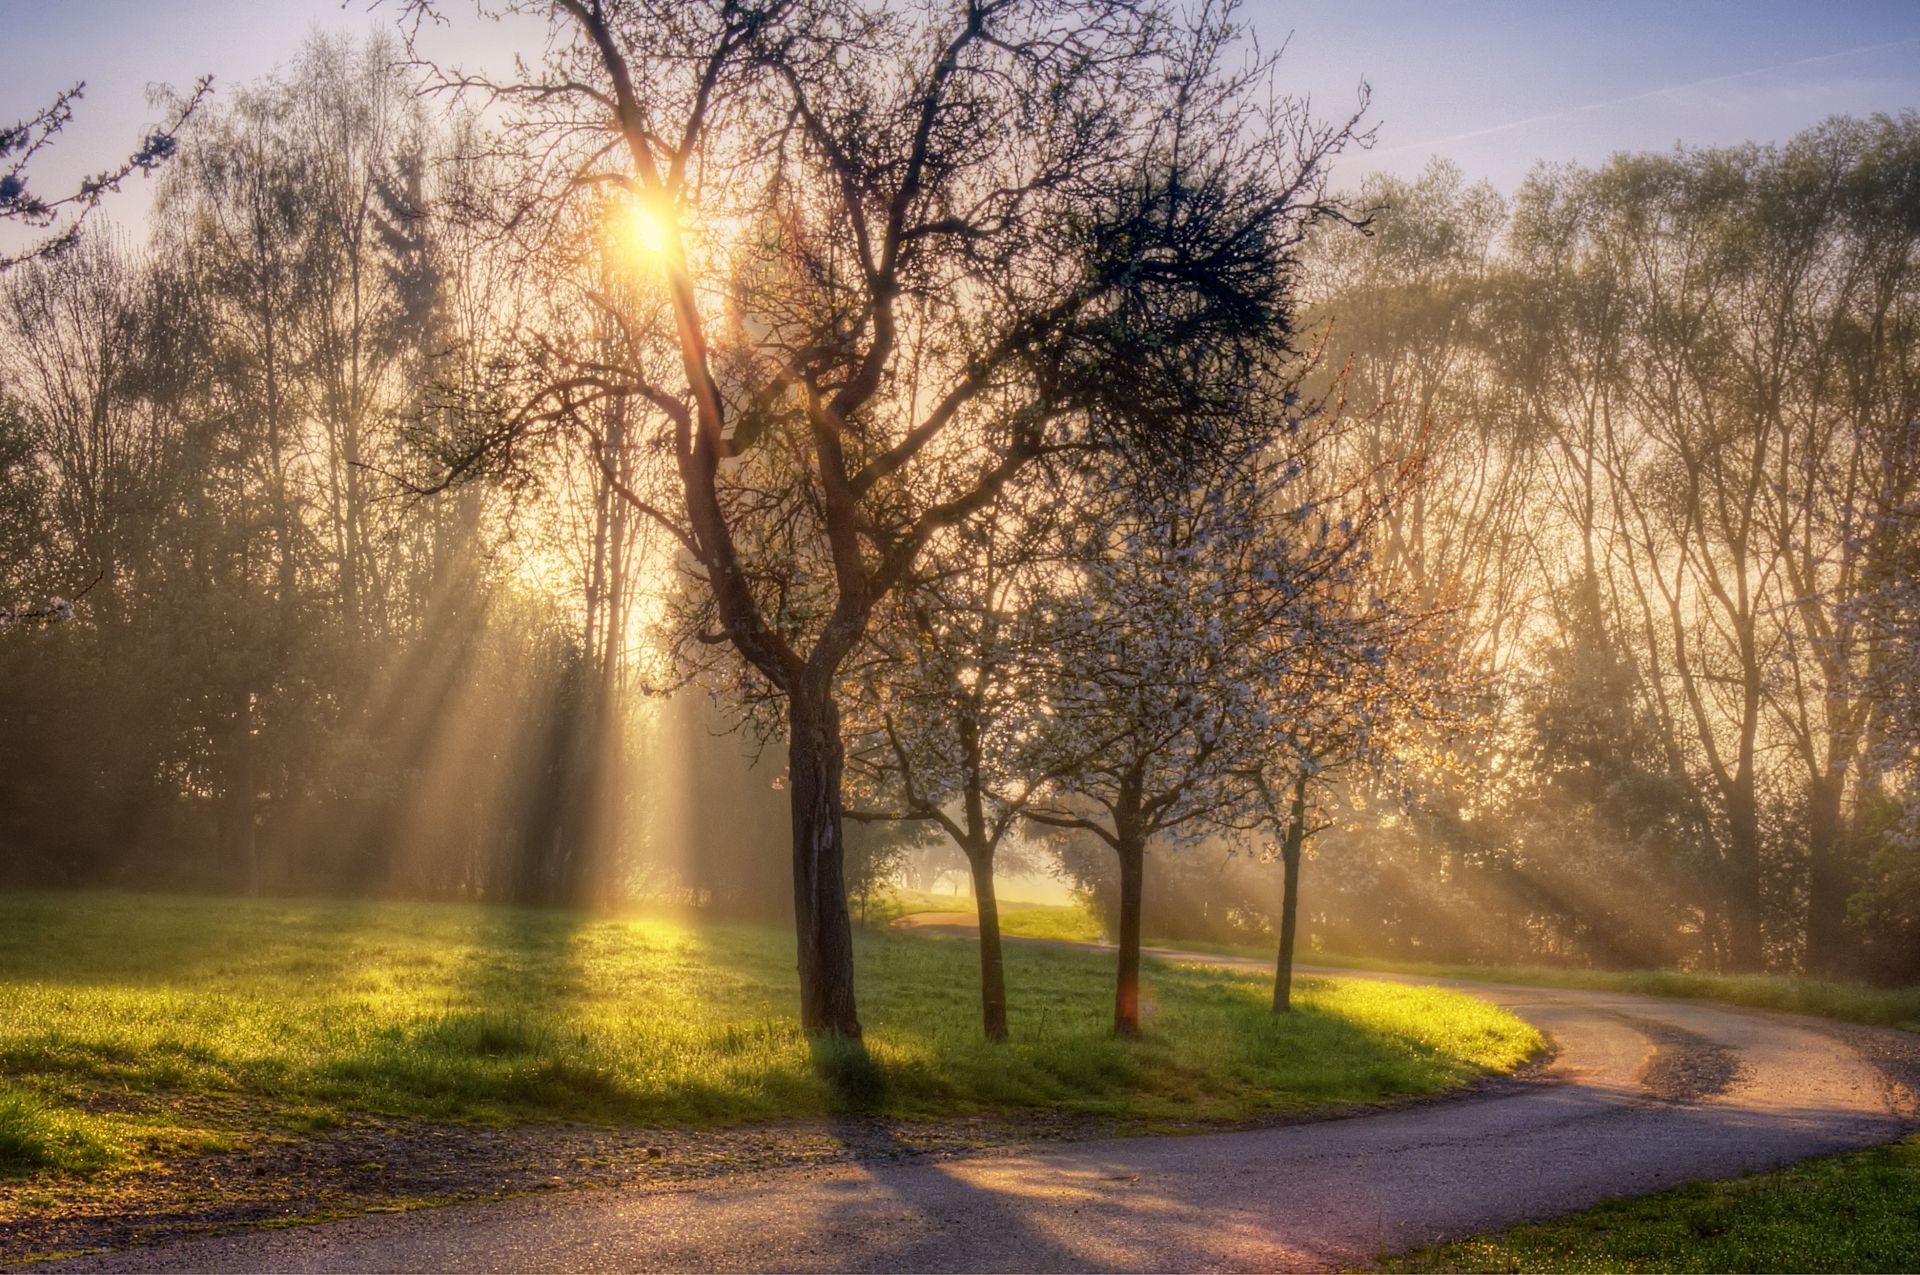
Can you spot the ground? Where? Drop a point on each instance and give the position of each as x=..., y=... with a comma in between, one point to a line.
x=1642, y=1094
x=209, y=1062
x=172, y=1068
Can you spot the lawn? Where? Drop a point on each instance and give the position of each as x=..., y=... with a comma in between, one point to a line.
x=1854, y=1212
x=1848, y=1002
x=1074, y=922
x=133, y=1027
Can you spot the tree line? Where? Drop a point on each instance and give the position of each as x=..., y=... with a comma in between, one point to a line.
x=1674, y=403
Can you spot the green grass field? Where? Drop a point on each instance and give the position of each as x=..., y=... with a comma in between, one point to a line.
x=1853, y=1212
x=131, y=1027
x=1848, y=1002
x=1073, y=922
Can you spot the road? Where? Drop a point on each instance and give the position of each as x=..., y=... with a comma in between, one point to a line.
x=1643, y=1093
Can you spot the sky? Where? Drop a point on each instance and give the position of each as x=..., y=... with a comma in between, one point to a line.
x=1495, y=85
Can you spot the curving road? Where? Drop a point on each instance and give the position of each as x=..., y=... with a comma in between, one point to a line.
x=1643, y=1093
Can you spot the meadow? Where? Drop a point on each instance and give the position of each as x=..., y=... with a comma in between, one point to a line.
x=1847, y=1002
x=1069, y=922
x=136, y=1028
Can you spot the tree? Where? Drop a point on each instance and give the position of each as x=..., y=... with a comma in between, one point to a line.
x=1355, y=681
x=1155, y=709
x=944, y=705
x=900, y=256
x=22, y=141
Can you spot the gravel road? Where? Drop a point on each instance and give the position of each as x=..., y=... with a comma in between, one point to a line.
x=1643, y=1093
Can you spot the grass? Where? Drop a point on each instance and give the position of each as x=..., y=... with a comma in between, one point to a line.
x=1854, y=1212
x=1848, y=1002
x=1074, y=922
x=123, y=1016
x=37, y=1137
x=1845, y=1002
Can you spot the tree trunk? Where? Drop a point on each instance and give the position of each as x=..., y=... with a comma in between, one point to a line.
x=1289, y=904
x=1126, y=996
x=1290, y=897
x=822, y=928
x=1830, y=881
x=243, y=850
x=993, y=977
x=1745, y=950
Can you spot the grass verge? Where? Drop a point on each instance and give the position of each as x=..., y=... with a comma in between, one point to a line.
x=1844, y=1002
x=1847, y=1002
x=37, y=1137
x=127, y=1021
x=1854, y=1212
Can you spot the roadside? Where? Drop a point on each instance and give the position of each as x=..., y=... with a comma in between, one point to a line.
x=179, y=1066
x=1854, y=1212
x=373, y=1165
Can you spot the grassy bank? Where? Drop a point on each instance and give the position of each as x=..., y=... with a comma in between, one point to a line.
x=1853, y=1212
x=1848, y=1002
x=134, y=1027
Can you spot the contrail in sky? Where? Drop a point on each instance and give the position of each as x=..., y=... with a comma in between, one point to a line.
x=1644, y=96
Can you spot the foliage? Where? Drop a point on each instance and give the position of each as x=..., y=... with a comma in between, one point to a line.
x=283, y=673
x=1668, y=404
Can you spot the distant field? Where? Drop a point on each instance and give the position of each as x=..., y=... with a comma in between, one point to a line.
x=134, y=1028
x=1854, y=1212
x=1848, y=1002
x=1071, y=921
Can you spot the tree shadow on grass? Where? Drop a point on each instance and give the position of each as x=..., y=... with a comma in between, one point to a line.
x=855, y=1083
x=501, y=1036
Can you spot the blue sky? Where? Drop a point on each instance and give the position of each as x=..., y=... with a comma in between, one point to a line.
x=1495, y=85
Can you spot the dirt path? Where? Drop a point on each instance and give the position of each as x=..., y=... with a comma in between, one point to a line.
x=1643, y=1093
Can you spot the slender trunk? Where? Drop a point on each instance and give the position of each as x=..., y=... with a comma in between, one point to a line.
x=993, y=977
x=1126, y=997
x=822, y=928
x=243, y=850
x=1290, y=896
x=1289, y=909
x=1745, y=951
x=1830, y=881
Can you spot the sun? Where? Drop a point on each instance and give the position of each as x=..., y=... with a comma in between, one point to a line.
x=646, y=231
